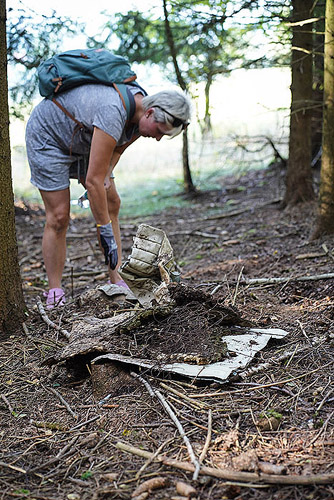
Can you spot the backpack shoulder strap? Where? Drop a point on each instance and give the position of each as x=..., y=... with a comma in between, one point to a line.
x=126, y=96
x=79, y=125
x=127, y=99
x=67, y=113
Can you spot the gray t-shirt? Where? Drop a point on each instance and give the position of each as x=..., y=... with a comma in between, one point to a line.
x=52, y=141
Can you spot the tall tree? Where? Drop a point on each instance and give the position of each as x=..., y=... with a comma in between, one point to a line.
x=11, y=296
x=318, y=80
x=325, y=222
x=299, y=186
x=187, y=179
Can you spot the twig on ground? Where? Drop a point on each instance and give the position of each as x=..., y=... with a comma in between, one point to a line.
x=60, y=397
x=7, y=403
x=206, y=445
x=48, y=321
x=66, y=450
x=237, y=287
x=323, y=428
x=101, y=441
x=155, y=392
x=277, y=383
x=232, y=475
x=303, y=331
x=216, y=288
x=311, y=255
x=154, y=455
x=199, y=406
x=85, y=423
x=195, y=233
x=263, y=366
x=324, y=400
x=271, y=281
x=13, y=467
x=36, y=443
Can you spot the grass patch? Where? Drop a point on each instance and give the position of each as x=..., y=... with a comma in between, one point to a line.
x=142, y=197
x=151, y=198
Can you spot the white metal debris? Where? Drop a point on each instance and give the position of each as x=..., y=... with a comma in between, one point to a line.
x=243, y=345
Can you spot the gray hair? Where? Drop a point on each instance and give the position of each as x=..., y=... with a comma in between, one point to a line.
x=169, y=101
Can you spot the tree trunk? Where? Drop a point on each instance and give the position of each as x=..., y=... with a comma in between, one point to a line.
x=325, y=222
x=187, y=179
x=207, y=117
x=11, y=296
x=318, y=82
x=299, y=185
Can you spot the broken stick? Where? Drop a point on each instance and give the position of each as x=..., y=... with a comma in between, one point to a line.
x=232, y=475
x=48, y=321
x=270, y=281
x=155, y=392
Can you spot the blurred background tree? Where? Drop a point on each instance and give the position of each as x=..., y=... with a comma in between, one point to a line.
x=31, y=38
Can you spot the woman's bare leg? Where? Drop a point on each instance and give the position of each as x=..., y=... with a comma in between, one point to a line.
x=57, y=209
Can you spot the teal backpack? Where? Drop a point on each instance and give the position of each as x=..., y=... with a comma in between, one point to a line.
x=79, y=67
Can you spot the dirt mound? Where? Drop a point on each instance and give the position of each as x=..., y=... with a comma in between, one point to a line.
x=189, y=330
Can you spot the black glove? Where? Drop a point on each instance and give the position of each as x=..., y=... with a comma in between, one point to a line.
x=108, y=244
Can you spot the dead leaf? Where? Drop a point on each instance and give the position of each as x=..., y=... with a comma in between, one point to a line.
x=142, y=496
x=247, y=461
x=268, y=423
x=110, y=476
x=150, y=485
x=268, y=468
x=227, y=441
x=185, y=489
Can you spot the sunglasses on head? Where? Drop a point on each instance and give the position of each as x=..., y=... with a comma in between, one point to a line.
x=176, y=121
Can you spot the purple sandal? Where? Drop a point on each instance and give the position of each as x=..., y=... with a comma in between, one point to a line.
x=55, y=297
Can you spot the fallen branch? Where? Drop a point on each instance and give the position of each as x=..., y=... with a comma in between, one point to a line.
x=150, y=460
x=195, y=233
x=155, y=392
x=233, y=213
x=311, y=255
x=206, y=445
x=48, y=321
x=62, y=400
x=13, y=467
x=269, y=281
x=198, y=406
x=232, y=475
x=7, y=403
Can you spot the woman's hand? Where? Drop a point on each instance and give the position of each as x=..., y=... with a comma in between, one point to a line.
x=107, y=183
x=108, y=244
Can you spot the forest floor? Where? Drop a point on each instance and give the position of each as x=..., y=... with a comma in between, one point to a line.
x=268, y=435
